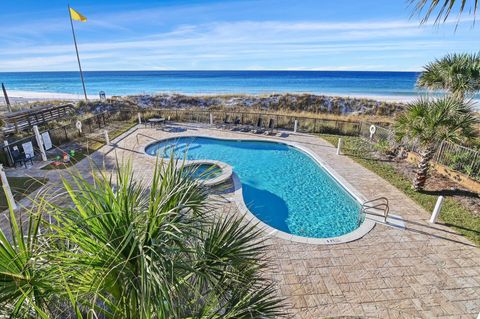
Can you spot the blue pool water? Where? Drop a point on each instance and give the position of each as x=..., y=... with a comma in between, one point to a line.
x=203, y=171
x=282, y=186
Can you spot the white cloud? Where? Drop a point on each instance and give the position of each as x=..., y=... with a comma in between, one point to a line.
x=246, y=32
x=267, y=44
x=46, y=62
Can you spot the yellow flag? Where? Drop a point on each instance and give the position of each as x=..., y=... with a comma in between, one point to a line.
x=77, y=16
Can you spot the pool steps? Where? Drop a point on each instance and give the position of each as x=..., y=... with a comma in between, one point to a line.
x=380, y=203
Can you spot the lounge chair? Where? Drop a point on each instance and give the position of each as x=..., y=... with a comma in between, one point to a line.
x=258, y=129
x=271, y=128
x=246, y=128
x=226, y=123
x=236, y=124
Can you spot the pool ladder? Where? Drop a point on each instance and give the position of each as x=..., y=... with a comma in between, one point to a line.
x=380, y=203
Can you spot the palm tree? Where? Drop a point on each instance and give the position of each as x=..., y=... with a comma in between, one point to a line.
x=459, y=74
x=427, y=122
x=126, y=249
x=444, y=8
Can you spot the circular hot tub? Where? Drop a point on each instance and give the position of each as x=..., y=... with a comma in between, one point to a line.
x=209, y=173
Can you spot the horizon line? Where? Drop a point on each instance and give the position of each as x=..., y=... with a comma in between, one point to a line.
x=224, y=70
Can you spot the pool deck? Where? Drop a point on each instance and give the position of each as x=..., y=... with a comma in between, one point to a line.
x=420, y=271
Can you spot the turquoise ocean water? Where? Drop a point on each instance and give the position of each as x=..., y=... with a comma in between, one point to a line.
x=398, y=84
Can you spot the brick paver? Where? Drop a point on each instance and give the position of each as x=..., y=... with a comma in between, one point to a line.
x=422, y=271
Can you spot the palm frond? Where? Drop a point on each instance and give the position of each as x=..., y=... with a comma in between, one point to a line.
x=26, y=282
x=443, y=9
x=458, y=74
x=428, y=121
x=135, y=249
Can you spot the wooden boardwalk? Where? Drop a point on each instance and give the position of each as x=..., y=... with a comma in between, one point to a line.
x=26, y=119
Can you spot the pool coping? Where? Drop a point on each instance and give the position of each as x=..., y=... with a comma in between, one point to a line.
x=365, y=227
x=227, y=171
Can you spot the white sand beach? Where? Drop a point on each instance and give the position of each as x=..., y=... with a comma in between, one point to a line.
x=18, y=97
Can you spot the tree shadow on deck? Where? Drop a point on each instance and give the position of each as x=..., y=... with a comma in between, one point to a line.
x=416, y=227
x=452, y=192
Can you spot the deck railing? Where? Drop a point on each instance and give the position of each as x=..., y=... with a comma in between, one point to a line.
x=459, y=158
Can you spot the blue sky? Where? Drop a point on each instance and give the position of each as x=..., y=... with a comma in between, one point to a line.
x=219, y=35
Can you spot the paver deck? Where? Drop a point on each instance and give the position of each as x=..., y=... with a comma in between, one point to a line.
x=422, y=271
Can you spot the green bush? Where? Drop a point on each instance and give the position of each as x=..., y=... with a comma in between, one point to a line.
x=125, y=249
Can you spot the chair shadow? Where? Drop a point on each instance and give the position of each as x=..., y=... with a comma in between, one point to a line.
x=173, y=129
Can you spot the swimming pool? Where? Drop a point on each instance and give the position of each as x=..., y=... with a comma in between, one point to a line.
x=281, y=185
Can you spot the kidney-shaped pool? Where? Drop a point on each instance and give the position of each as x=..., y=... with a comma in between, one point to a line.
x=282, y=186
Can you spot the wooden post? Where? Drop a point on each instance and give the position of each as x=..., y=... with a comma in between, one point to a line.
x=339, y=146
x=5, y=95
x=107, y=139
x=7, y=151
x=7, y=189
x=139, y=118
x=39, y=139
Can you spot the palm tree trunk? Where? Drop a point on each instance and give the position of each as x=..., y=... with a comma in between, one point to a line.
x=422, y=169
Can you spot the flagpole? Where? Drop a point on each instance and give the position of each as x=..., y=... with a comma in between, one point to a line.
x=76, y=50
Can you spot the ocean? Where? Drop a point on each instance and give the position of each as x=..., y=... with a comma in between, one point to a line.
x=393, y=84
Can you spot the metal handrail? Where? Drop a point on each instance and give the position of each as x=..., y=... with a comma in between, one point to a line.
x=385, y=205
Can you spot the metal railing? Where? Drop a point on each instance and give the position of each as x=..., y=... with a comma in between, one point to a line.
x=380, y=203
x=459, y=158
x=454, y=156
x=381, y=133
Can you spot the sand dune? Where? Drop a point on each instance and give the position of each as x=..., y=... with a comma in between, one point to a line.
x=17, y=96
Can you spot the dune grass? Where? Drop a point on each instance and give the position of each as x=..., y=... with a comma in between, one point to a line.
x=379, y=119
x=453, y=214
